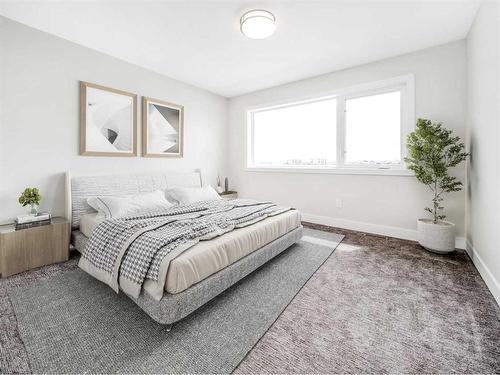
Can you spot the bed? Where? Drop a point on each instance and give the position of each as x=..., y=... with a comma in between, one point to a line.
x=198, y=273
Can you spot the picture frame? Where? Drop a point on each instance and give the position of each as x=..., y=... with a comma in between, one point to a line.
x=108, y=121
x=162, y=129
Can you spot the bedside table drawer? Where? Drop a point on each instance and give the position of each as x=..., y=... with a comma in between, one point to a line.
x=25, y=249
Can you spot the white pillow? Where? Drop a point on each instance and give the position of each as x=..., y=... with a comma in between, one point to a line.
x=188, y=195
x=128, y=205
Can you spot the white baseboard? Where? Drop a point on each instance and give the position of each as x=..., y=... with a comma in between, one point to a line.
x=490, y=281
x=460, y=243
x=384, y=230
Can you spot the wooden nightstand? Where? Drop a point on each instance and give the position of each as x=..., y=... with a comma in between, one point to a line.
x=24, y=249
x=229, y=194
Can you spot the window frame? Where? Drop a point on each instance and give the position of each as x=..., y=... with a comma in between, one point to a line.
x=404, y=84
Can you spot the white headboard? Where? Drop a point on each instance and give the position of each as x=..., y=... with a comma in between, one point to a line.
x=78, y=189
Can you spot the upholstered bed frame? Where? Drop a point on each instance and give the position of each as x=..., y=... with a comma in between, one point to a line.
x=172, y=307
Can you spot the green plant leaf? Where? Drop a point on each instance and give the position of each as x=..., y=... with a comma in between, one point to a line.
x=30, y=196
x=432, y=151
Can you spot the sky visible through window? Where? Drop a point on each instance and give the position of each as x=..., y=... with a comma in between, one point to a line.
x=303, y=134
x=373, y=129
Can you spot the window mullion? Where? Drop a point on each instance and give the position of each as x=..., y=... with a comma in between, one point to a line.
x=404, y=121
x=251, y=140
x=340, y=131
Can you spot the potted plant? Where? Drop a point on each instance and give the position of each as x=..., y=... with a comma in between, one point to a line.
x=432, y=151
x=31, y=197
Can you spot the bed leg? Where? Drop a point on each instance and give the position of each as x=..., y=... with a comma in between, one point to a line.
x=168, y=327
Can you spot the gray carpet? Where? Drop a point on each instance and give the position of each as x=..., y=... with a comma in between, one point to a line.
x=73, y=323
x=383, y=305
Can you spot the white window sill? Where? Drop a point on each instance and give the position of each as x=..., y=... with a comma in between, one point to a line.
x=345, y=171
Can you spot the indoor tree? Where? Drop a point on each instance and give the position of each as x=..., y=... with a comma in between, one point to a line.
x=432, y=151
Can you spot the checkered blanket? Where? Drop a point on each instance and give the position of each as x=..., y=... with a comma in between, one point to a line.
x=125, y=252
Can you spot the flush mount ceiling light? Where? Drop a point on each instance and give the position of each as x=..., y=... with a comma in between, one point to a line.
x=257, y=24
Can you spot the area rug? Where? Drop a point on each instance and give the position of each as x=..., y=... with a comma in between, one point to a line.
x=74, y=324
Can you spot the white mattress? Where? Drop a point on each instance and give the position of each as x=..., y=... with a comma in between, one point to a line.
x=208, y=257
x=88, y=223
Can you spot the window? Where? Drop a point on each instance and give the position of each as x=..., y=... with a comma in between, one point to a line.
x=373, y=129
x=357, y=129
x=300, y=135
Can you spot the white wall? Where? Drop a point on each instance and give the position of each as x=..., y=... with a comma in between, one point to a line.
x=39, y=133
x=380, y=204
x=483, y=195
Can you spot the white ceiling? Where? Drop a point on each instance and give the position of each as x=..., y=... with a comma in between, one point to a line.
x=199, y=42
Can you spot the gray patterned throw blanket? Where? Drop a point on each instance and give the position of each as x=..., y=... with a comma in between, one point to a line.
x=126, y=252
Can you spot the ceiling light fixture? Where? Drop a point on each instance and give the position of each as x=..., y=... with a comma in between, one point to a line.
x=257, y=24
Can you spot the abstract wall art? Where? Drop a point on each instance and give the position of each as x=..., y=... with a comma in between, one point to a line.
x=162, y=128
x=108, y=121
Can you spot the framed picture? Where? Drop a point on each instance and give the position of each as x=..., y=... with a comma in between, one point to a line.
x=162, y=128
x=108, y=121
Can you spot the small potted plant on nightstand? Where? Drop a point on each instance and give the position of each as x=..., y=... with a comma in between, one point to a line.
x=432, y=151
x=31, y=197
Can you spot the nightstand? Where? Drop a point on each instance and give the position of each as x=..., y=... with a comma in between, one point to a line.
x=229, y=194
x=24, y=249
